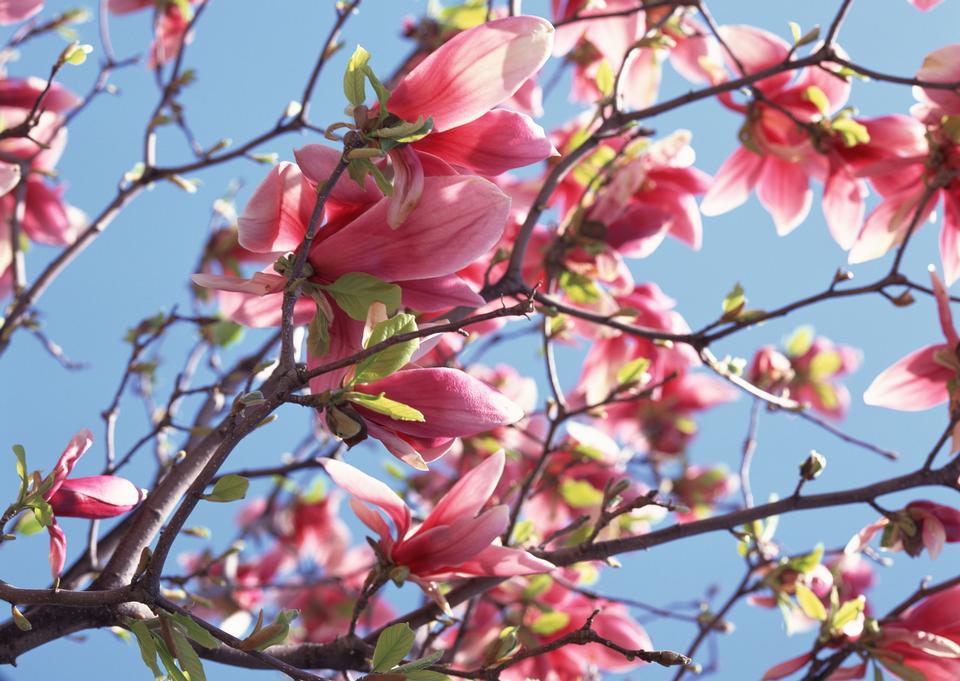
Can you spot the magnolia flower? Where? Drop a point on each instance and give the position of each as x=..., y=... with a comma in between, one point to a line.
x=170, y=29
x=921, y=380
x=13, y=11
x=921, y=525
x=455, y=539
x=99, y=496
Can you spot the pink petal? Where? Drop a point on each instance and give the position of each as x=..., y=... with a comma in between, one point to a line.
x=258, y=311
x=346, y=338
x=275, y=218
x=454, y=403
x=942, y=66
x=58, y=549
x=100, y=496
x=439, y=293
x=45, y=219
x=473, y=71
x=371, y=490
x=733, y=182
x=498, y=141
x=639, y=231
x=407, y=185
x=787, y=668
x=888, y=224
x=528, y=99
x=614, y=624
x=914, y=383
x=444, y=547
x=126, y=6
x=949, y=517
x=373, y=520
x=943, y=309
x=785, y=192
x=857, y=671
x=502, y=561
x=924, y=5
x=843, y=205
x=13, y=11
x=757, y=50
x=260, y=284
x=317, y=163
x=9, y=176
x=469, y=494
x=457, y=220
x=950, y=237
x=22, y=93
x=933, y=536
x=413, y=452
x=685, y=224
x=78, y=444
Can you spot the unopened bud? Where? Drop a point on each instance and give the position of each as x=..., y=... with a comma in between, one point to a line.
x=813, y=466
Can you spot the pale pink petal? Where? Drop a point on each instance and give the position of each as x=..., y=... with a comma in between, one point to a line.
x=502, y=561
x=58, y=549
x=373, y=520
x=469, y=494
x=528, y=99
x=733, y=182
x=943, y=309
x=942, y=66
x=9, y=176
x=258, y=311
x=78, y=444
x=914, y=383
x=889, y=223
x=473, y=71
x=757, y=50
x=863, y=537
x=690, y=55
x=407, y=185
x=371, y=490
x=787, y=668
x=784, y=191
x=685, y=223
x=843, y=205
x=498, y=141
x=274, y=218
x=933, y=536
x=45, y=218
x=950, y=237
x=260, y=284
x=457, y=220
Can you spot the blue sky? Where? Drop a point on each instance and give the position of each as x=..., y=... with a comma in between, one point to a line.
x=251, y=59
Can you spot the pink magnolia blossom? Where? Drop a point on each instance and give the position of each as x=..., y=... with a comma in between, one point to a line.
x=453, y=403
x=921, y=380
x=100, y=496
x=13, y=11
x=457, y=538
x=924, y=5
x=921, y=525
x=925, y=638
x=700, y=488
x=170, y=27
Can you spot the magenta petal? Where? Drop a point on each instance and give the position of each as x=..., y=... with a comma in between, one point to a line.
x=437, y=549
x=78, y=444
x=457, y=220
x=100, y=496
x=370, y=490
x=785, y=192
x=473, y=71
x=502, y=561
x=45, y=219
x=317, y=163
x=950, y=236
x=914, y=383
x=787, y=668
x=498, y=141
x=13, y=11
x=415, y=452
x=275, y=218
x=469, y=494
x=453, y=403
x=733, y=182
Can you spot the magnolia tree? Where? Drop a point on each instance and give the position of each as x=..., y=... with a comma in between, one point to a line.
x=429, y=226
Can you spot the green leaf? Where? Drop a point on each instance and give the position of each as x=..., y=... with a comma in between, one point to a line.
x=522, y=531
x=354, y=81
x=355, y=292
x=464, y=16
x=23, y=624
x=148, y=648
x=383, y=94
x=537, y=585
x=189, y=660
x=808, y=561
x=550, y=623
x=393, y=644
x=173, y=672
x=799, y=341
x=406, y=132
x=318, y=334
x=633, y=372
x=390, y=359
x=421, y=663
x=580, y=493
x=818, y=98
x=384, y=405
x=578, y=287
x=810, y=604
x=605, y=79
x=194, y=631
x=588, y=169
x=851, y=132
x=41, y=510
x=274, y=633
x=825, y=364
x=22, y=473
x=734, y=302
x=804, y=39
x=847, y=613
x=28, y=525
x=228, y=488
x=226, y=333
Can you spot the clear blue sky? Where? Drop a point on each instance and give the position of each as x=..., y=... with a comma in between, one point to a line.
x=251, y=59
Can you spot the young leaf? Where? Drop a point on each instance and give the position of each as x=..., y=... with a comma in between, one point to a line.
x=633, y=372
x=733, y=303
x=419, y=664
x=41, y=510
x=383, y=94
x=384, y=405
x=353, y=79
x=21, y=455
x=229, y=488
x=393, y=645
x=355, y=292
x=318, y=334
x=810, y=604
x=580, y=493
x=189, y=660
x=550, y=623
x=272, y=634
x=605, y=79
x=391, y=359
x=194, y=631
x=23, y=624
x=173, y=672
x=148, y=648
